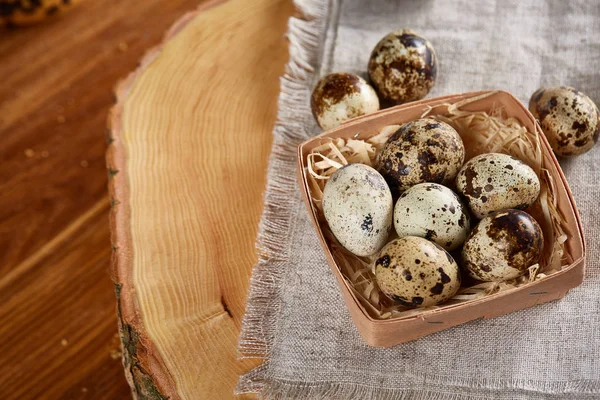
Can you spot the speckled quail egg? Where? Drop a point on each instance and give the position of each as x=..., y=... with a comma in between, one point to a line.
x=403, y=67
x=434, y=212
x=503, y=246
x=415, y=272
x=569, y=119
x=358, y=207
x=424, y=150
x=341, y=96
x=25, y=13
x=494, y=181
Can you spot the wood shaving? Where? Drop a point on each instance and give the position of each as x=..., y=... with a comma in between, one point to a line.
x=116, y=354
x=481, y=133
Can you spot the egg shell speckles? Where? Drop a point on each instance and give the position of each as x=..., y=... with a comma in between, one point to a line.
x=503, y=246
x=424, y=150
x=494, y=181
x=339, y=97
x=358, y=207
x=403, y=67
x=415, y=272
x=433, y=212
x=569, y=119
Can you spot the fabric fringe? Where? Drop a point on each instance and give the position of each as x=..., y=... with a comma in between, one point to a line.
x=263, y=304
x=280, y=389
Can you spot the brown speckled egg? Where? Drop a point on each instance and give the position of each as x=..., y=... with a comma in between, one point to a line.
x=339, y=97
x=403, y=67
x=434, y=212
x=415, y=272
x=424, y=150
x=29, y=12
x=358, y=207
x=494, y=181
x=570, y=120
x=502, y=246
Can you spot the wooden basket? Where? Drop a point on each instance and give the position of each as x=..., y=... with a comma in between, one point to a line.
x=392, y=331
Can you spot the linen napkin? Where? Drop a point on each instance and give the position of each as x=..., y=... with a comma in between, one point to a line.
x=296, y=319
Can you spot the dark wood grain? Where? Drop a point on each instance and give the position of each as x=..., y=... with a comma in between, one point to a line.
x=57, y=304
x=60, y=340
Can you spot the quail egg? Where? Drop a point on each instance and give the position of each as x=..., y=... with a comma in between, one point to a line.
x=569, y=119
x=415, y=272
x=503, y=246
x=434, y=212
x=424, y=150
x=358, y=208
x=494, y=181
x=341, y=96
x=403, y=67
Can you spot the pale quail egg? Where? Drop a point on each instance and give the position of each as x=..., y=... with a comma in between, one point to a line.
x=341, y=96
x=416, y=272
x=503, y=246
x=403, y=67
x=358, y=207
x=434, y=212
x=494, y=181
x=570, y=119
x=424, y=150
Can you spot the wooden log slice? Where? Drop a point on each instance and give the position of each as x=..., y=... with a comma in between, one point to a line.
x=189, y=139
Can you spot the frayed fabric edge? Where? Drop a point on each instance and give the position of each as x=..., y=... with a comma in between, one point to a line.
x=281, y=389
x=264, y=301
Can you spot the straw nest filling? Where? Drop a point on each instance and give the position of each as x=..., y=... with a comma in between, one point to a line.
x=481, y=133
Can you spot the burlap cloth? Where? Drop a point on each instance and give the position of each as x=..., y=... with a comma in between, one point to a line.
x=296, y=319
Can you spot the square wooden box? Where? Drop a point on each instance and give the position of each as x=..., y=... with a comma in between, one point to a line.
x=390, y=332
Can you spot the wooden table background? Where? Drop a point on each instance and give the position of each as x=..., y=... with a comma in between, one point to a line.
x=58, y=336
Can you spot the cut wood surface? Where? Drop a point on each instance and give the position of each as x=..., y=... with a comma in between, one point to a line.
x=190, y=138
x=59, y=337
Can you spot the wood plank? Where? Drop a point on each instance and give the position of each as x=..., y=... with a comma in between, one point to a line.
x=57, y=81
x=59, y=330
x=53, y=107
x=192, y=132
